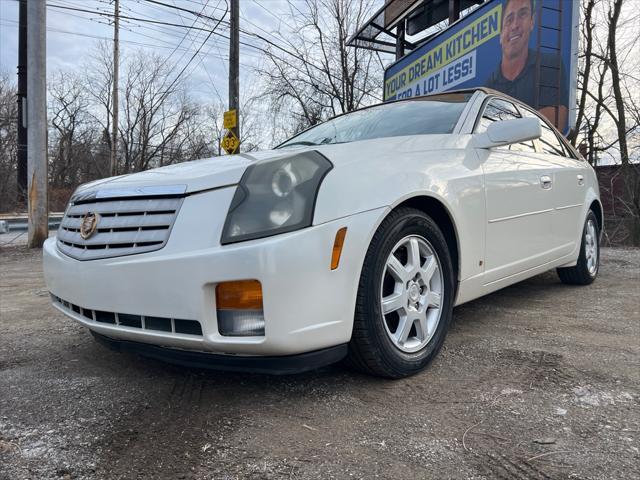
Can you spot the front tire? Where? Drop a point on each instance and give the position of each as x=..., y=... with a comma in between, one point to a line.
x=586, y=269
x=405, y=297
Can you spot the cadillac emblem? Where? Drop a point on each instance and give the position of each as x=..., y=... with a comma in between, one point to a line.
x=89, y=224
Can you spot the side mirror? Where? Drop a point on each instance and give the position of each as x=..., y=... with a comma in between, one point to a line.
x=506, y=132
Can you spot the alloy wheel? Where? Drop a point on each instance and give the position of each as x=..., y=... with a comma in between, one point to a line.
x=591, y=247
x=411, y=294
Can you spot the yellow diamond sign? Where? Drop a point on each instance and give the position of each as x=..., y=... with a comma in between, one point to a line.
x=230, y=142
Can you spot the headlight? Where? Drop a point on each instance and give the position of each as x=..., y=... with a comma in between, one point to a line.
x=275, y=196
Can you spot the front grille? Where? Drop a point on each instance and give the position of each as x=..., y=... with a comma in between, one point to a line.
x=124, y=226
x=158, y=324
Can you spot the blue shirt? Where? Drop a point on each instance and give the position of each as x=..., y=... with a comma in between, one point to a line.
x=552, y=84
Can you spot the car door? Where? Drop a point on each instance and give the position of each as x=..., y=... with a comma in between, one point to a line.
x=568, y=192
x=519, y=204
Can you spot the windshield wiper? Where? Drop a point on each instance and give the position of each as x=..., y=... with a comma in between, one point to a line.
x=299, y=143
x=324, y=141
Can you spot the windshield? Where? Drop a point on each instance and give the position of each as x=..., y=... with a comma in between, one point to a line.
x=419, y=116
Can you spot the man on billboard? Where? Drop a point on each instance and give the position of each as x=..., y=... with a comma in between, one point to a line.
x=516, y=74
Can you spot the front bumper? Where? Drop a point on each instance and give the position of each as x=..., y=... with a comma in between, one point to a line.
x=307, y=306
x=275, y=365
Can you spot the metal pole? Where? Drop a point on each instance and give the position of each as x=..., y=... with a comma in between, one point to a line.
x=234, y=64
x=454, y=11
x=37, y=123
x=22, y=106
x=114, y=98
x=400, y=40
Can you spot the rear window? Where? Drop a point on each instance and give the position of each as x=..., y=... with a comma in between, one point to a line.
x=437, y=114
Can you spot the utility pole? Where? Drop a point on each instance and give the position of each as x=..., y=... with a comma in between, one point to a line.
x=114, y=98
x=37, y=123
x=22, y=106
x=234, y=65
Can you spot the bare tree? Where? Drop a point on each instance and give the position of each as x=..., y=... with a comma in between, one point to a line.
x=71, y=133
x=99, y=81
x=8, y=143
x=316, y=75
x=155, y=110
x=622, y=103
x=607, y=129
x=586, y=60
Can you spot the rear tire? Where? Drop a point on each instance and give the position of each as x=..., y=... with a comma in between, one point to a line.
x=408, y=274
x=586, y=269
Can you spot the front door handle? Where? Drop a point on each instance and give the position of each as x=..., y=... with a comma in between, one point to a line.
x=545, y=182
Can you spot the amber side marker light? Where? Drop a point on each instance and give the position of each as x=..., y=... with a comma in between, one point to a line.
x=338, y=243
x=239, y=308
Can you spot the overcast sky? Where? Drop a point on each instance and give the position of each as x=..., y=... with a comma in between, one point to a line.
x=72, y=36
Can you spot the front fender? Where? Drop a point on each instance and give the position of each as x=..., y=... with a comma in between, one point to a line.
x=380, y=178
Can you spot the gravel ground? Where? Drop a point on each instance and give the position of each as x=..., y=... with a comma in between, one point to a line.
x=537, y=381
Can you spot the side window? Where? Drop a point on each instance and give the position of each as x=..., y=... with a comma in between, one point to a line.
x=496, y=110
x=565, y=149
x=549, y=142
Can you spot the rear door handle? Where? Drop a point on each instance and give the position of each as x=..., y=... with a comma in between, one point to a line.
x=580, y=180
x=545, y=182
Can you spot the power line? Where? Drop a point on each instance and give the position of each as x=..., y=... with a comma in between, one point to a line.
x=14, y=23
x=192, y=12
x=188, y=33
x=205, y=25
x=245, y=19
x=185, y=34
x=264, y=39
x=252, y=34
x=224, y=66
x=160, y=30
x=274, y=15
x=126, y=17
x=156, y=22
x=204, y=65
x=195, y=54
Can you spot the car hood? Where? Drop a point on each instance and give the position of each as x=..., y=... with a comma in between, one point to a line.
x=223, y=171
x=193, y=176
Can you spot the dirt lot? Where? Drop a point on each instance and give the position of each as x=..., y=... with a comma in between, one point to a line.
x=537, y=381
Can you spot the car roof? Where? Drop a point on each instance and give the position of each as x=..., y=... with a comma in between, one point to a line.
x=485, y=90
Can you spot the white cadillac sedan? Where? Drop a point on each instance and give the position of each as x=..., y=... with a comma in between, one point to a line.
x=354, y=239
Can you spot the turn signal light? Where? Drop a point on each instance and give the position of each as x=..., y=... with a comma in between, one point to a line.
x=338, y=243
x=239, y=295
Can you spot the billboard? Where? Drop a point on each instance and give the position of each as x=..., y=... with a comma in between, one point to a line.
x=524, y=48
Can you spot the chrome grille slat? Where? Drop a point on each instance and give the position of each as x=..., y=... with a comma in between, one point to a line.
x=103, y=238
x=149, y=220
x=149, y=205
x=125, y=227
